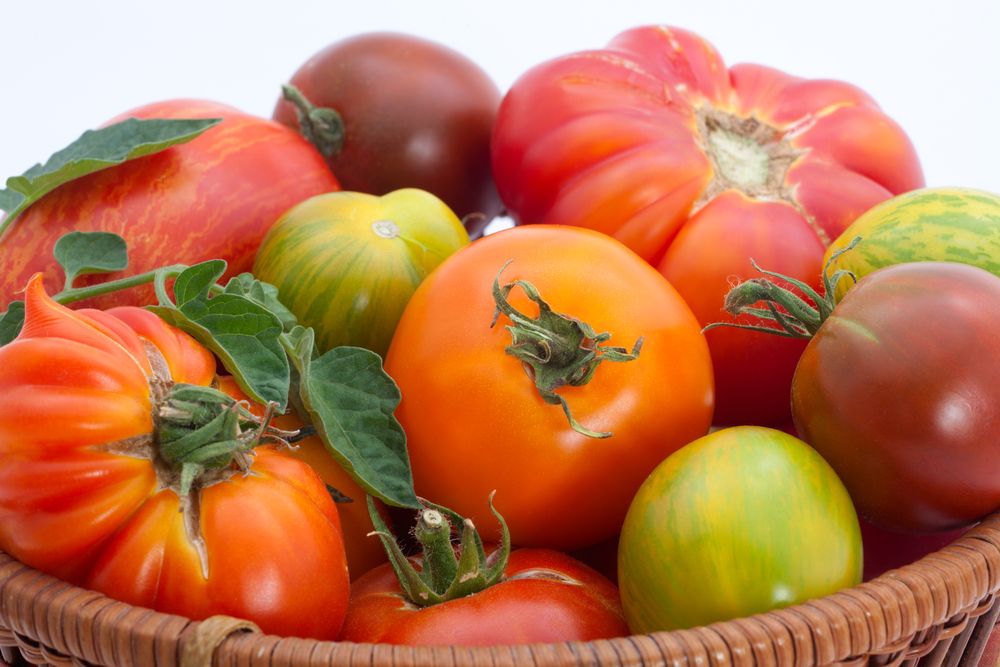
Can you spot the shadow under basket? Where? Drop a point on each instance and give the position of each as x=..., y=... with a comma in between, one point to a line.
x=936, y=612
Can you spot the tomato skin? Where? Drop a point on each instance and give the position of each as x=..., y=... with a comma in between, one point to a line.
x=416, y=115
x=346, y=263
x=475, y=422
x=520, y=609
x=898, y=391
x=211, y=198
x=81, y=497
x=619, y=140
x=363, y=552
x=928, y=225
x=741, y=521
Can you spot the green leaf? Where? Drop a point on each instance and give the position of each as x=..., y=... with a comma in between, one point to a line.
x=96, y=150
x=81, y=253
x=264, y=294
x=194, y=282
x=244, y=335
x=11, y=322
x=350, y=400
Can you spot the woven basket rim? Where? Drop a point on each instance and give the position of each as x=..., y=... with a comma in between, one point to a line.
x=901, y=614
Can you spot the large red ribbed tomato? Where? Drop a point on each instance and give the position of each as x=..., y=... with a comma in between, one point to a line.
x=212, y=198
x=88, y=494
x=699, y=168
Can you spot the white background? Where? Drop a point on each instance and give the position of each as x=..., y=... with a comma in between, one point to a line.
x=69, y=66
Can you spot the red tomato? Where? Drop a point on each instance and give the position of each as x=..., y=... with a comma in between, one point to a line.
x=212, y=198
x=699, y=168
x=545, y=596
x=475, y=420
x=87, y=495
x=414, y=114
x=898, y=390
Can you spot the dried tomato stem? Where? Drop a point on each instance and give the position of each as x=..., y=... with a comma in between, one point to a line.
x=555, y=349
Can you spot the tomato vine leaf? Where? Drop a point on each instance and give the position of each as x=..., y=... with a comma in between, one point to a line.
x=11, y=322
x=350, y=400
x=264, y=294
x=245, y=335
x=93, y=151
x=80, y=253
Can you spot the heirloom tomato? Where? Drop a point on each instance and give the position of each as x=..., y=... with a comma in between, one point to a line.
x=699, y=168
x=107, y=482
x=741, y=521
x=933, y=224
x=346, y=263
x=481, y=404
x=898, y=389
x=211, y=198
x=392, y=111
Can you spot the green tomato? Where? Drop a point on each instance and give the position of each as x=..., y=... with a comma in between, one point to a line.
x=347, y=263
x=928, y=225
x=741, y=521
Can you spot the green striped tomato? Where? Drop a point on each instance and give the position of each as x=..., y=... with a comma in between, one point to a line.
x=740, y=521
x=933, y=224
x=346, y=263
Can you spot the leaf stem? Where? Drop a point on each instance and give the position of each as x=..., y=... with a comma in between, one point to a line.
x=75, y=294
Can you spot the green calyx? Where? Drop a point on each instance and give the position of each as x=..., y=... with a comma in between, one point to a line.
x=555, y=349
x=323, y=127
x=790, y=315
x=444, y=575
x=202, y=432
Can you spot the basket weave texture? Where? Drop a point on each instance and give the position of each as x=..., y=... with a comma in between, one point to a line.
x=937, y=612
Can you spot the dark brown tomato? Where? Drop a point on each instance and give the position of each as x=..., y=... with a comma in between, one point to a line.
x=900, y=391
x=415, y=114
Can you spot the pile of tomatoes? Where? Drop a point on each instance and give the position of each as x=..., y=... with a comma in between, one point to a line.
x=602, y=405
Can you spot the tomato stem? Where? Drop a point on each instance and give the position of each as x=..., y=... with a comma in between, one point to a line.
x=555, y=349
x=444, y=576
x=322, y=126
x=786, y=313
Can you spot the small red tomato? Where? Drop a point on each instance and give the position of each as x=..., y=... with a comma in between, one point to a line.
x=461, y=596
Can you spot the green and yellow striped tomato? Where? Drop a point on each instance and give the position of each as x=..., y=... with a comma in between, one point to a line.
x=740, y=521
x=346, y=263
x=933, y=224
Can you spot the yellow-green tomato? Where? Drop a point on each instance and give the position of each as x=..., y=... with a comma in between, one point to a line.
x=928, y=225
x=741, y=521
x=346, y=263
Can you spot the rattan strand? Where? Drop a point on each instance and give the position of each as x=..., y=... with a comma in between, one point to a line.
x=937, y=612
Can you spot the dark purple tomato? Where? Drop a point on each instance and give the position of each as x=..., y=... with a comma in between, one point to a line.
x=899, y=390
x=414, y=114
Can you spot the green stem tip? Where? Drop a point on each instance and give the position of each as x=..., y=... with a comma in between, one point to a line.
x=322, y=126
x=444, y=574
x=785, y=313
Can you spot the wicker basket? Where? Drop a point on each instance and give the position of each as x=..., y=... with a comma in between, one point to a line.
x=938, y=611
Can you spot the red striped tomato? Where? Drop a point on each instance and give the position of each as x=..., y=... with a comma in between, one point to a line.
x=211, y=198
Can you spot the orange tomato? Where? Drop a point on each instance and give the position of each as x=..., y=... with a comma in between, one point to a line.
x=475, y=420
x=87, y=494
x=363, y=552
